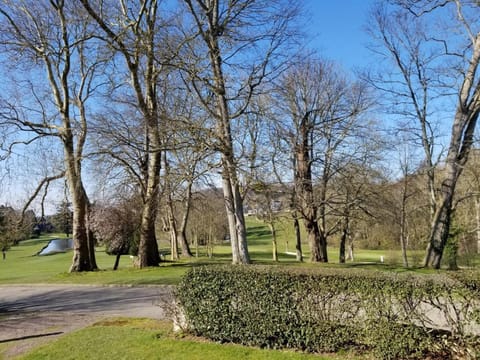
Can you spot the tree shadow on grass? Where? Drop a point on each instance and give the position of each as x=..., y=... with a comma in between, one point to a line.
x=26, y=337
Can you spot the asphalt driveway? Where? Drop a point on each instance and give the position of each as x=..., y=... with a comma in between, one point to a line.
x=31, y=314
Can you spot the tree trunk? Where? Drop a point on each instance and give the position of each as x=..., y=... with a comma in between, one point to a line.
x=182, y=239
x=90, y=235
x=441, y=221
x=81, y=254
x=233, y=199
x=148, y=254
x=117, y=260
x=322, y=217
x=304, y=189
x=403, y=221
x=195, y=239
x=343, y=240
x=477, y=215
x=173, y=247
x=298, y=239
x=313, y=236
x=240, y=225
x=274, y=242
x=460, y=144
x=350, y=251
x=144, y=84
x=172, y=226
x=461, y=141
x=182, y=233
x=91, y=248
x=229, y=207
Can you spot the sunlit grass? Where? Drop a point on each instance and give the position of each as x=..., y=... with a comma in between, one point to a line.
x=24, y=266
x=121, y=338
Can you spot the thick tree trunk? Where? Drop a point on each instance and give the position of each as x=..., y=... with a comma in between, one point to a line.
x=440, y=229
x=91, y=248
x=442, y=217
x=236, y=222
x=313, y=236
x=240, y=225
x=81, y=255
x=304, y=190
x=182, y=239
x=83, y=258
x=343, y=241
x=229, y=207
x=148, y=248
x=148, y=254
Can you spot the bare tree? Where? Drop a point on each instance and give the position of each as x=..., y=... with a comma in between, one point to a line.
x=322, y=109
x=459, y=36
x=234, y=47
x=135, y=36
x=350, y=191
x=208, y=223
x=54, y=35
x=410, y=82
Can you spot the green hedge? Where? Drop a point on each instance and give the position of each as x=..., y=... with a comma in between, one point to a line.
x=325, y=310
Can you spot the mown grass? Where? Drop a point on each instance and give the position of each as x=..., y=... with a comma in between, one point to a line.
x=23, y=266
x=146, y=339
x=150, y=339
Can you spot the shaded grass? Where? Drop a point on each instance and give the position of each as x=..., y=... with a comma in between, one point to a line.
x=122, y=338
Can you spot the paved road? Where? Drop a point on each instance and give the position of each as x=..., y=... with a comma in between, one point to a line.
x=111, y=301
x=33, y=312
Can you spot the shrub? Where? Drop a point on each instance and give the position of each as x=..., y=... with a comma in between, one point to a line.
x=330, y=309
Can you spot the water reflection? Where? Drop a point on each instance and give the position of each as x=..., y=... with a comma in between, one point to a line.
x=57, y=246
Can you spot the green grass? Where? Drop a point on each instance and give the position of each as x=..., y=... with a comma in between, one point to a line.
x=149, y=339
x=22, y=266
x=142, y=339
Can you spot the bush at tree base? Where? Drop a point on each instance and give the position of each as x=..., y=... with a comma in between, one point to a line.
x=325, y=310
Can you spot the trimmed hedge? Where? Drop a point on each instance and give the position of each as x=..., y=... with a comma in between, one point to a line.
x=325, y=310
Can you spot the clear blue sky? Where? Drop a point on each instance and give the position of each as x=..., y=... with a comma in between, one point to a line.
x=337, y=28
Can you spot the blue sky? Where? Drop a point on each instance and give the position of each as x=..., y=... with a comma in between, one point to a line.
x=337, y=28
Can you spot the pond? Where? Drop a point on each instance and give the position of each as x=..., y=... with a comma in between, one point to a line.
x=57, y=246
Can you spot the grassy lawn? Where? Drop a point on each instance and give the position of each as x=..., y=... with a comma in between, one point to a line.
x=149, y=339
x=23, y=266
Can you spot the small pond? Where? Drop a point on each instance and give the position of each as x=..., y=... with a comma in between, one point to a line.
x=57, y=246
